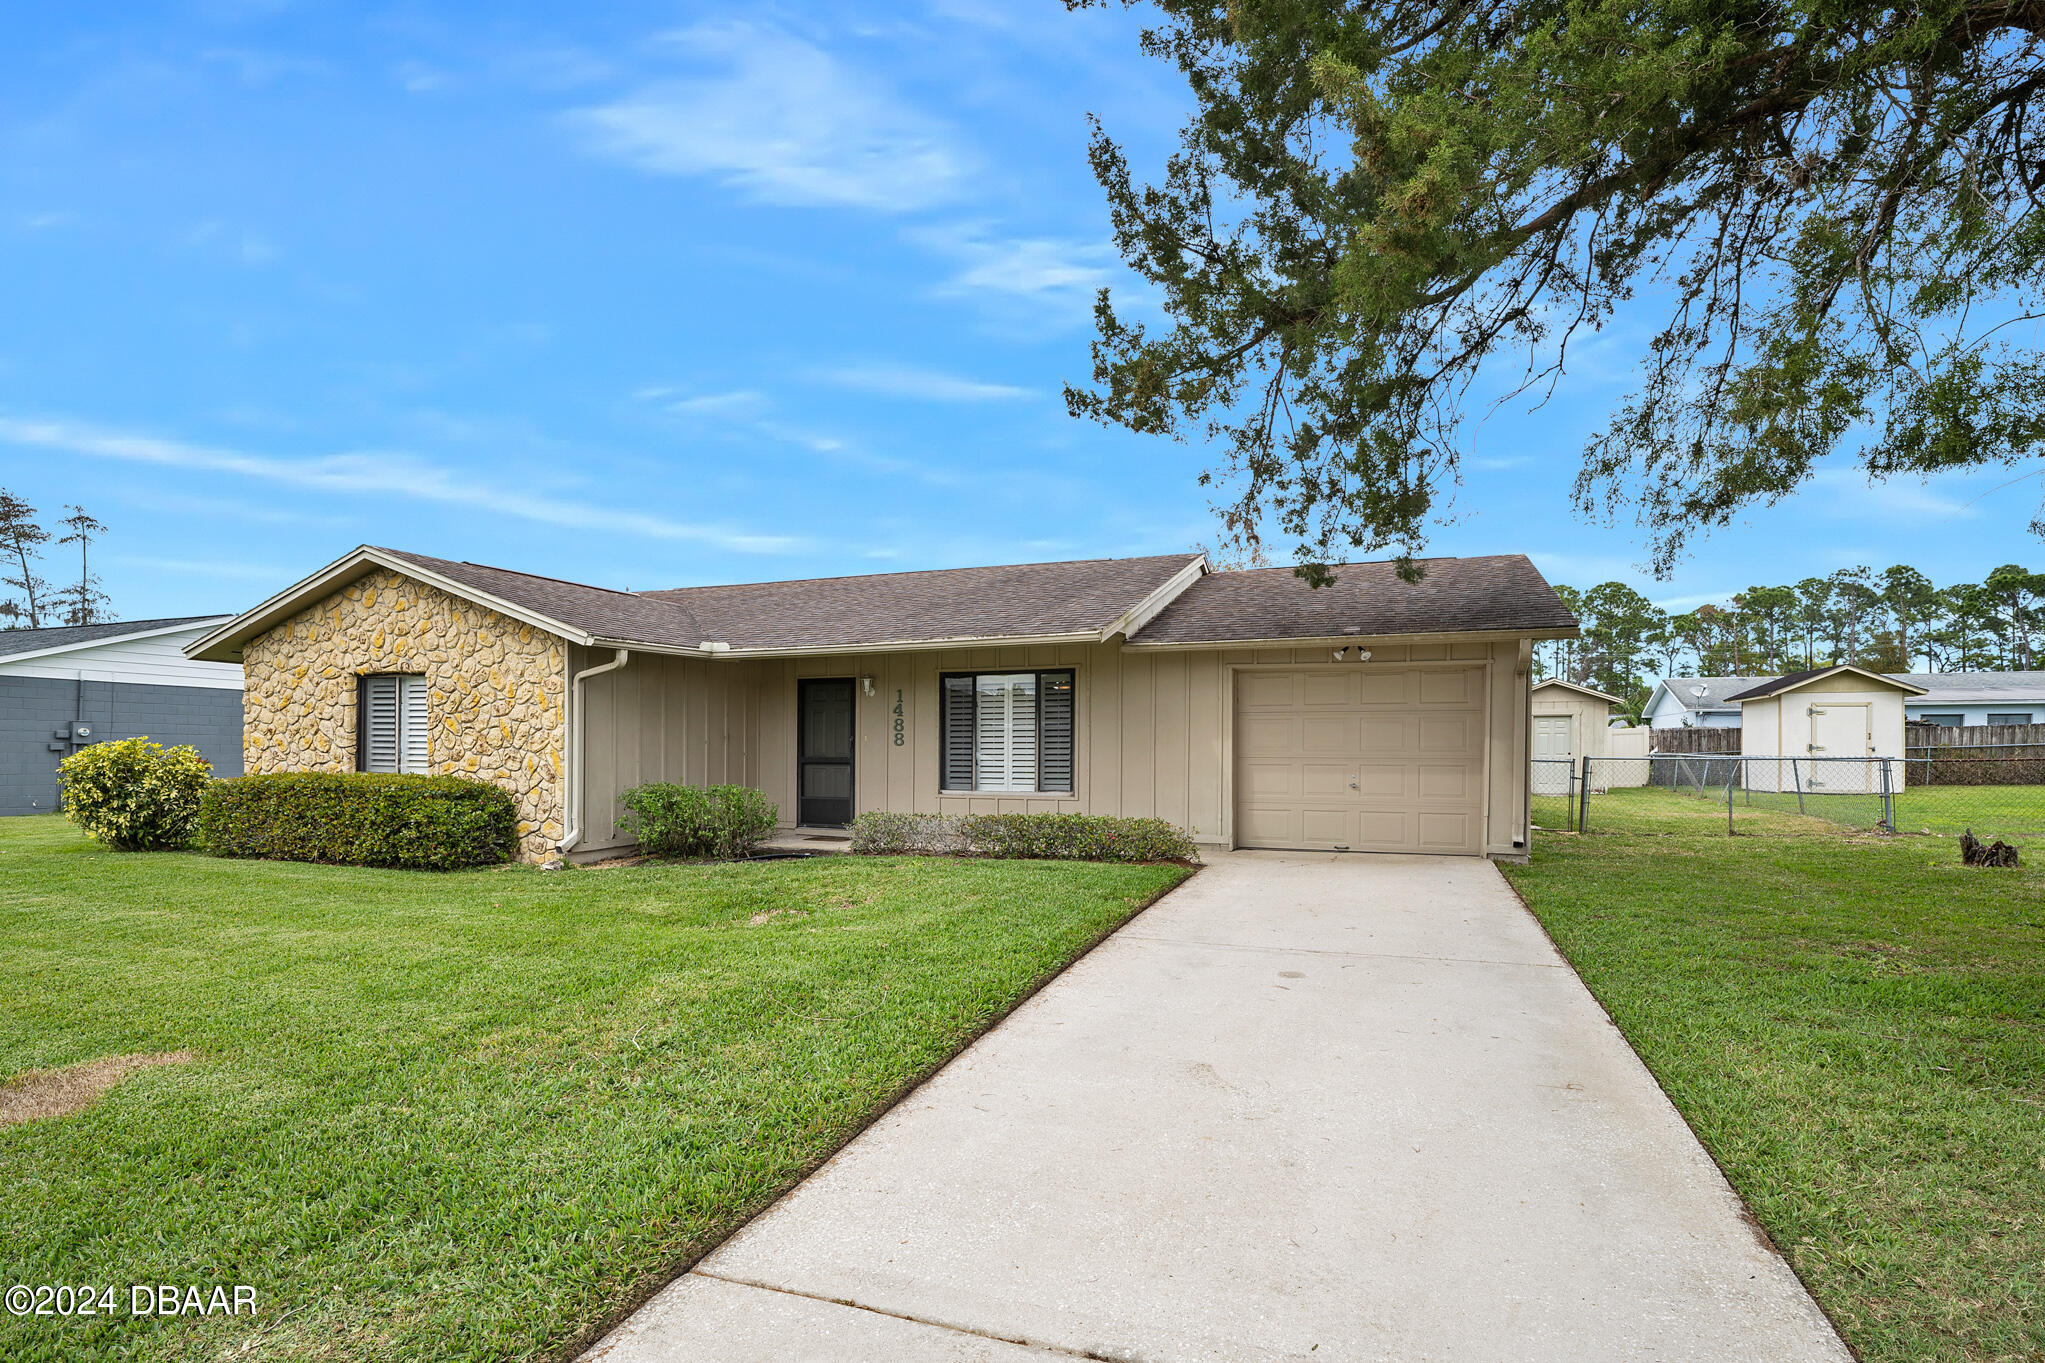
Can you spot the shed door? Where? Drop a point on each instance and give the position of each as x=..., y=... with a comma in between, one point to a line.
x=1554, y=754
x=1355, y=758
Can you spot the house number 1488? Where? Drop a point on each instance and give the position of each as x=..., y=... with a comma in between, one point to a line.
x=898, y=717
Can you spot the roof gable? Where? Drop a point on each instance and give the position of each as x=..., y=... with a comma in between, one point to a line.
x=1578, y=687
x=1791, y=681
x=19, y=644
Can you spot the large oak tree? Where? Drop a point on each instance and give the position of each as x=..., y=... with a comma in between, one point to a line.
x=1830, y=207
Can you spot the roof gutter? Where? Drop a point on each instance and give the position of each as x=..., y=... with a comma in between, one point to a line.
x=571, y=818
x=1315, y=641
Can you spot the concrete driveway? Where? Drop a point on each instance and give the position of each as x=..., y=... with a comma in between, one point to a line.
x=1307, y=1107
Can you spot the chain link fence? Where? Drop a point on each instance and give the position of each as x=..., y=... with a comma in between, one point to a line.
x=1552, y=786
x=1993, y=796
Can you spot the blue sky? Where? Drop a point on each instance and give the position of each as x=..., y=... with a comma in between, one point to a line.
x=659, y=295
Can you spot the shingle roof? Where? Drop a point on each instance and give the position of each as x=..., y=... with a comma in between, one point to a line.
x=1955, y=687
x=1718, y=691
x=1010, y=601
x=63, y=636
x=1790, y=680
x=596, y=611
x=1502, y=592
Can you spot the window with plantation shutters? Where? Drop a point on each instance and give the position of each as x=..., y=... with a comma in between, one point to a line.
x=392, y=707
x=1008, y=732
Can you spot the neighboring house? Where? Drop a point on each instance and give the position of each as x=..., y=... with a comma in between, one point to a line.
x=1697, y=702
x=1961, y=698
x=1826, y=713
x=66, y=687
x=1372, y=715
x=1948, y=698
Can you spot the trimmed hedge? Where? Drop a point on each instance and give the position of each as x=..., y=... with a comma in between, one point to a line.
x=1048, y=837
x=882, y=832
x=420, y=823
x=135, y=795
x=698, y=821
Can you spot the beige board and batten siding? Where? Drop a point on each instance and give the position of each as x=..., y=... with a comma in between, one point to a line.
x=1154, y=729
x=1590, y=717
x=691, y=721
x=1782, y=726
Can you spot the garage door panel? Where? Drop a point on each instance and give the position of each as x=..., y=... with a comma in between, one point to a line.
x=1384, y=688
x=1270, y=780
x=1327, y=734
x=1379, y=781
x=1459, y=687
x=1265, y=688
x=1326, y=689
x=1325, y=826
x=1447, y=733
x=1388, y=759
x=1445, y=830
x=1319, y=780
x=1381, y=734
x=1440, y=781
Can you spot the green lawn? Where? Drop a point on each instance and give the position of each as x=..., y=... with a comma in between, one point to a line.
x=2013, y=812
x=476, y=1115
x=1855, y=1028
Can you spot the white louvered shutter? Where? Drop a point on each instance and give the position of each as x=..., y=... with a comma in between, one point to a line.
x=380, y=723
x=413, y=748
x=1006, y=742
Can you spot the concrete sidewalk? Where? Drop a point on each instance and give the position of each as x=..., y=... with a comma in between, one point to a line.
x=1307, y=1107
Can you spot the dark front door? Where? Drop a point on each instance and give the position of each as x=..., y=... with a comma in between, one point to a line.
x=823, y=748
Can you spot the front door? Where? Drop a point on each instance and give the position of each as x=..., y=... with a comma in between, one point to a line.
x=823, y=764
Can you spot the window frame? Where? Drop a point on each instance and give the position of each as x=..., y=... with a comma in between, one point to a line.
x=944, y=753
x=1943, y=719
x=2010, y=717
x=362, y=681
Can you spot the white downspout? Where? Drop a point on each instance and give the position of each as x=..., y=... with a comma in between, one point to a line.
x=572, y=780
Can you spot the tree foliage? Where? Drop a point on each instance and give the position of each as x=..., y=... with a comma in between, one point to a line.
x=1371, y=203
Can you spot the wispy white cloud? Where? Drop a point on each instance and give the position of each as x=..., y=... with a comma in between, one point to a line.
x=1493, y=463
x=1848, y=494
x=782, y=120
x=381, y=473
x=1053, y=270
x=909, y=381
x=248, y=247
x=736, y=404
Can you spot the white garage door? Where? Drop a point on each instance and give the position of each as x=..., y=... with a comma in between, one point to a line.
x=1353, y=758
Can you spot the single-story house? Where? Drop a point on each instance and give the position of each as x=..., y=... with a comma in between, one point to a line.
x=1825, y=713
x=71, y=685
x=1697, y=702
x=1570, y=721
x=1371, y=715
x=1946, y=698
x=1954, y=699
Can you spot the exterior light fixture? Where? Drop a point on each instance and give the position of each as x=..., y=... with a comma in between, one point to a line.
x=866, y=684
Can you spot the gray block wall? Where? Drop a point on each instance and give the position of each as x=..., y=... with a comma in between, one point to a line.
x=34, y=709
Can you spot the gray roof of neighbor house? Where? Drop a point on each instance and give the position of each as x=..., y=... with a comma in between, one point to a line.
x=1956, y=687
x=1502, y=593
x=1718, y=691
x=1021, y=600
x=67, y=636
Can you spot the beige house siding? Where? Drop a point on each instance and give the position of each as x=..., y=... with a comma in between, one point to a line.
x=1780, y=726
x=692, y=721
x=494, y=697
x=1152, y=728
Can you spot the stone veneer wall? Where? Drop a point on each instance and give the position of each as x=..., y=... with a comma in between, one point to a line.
x=495, y=690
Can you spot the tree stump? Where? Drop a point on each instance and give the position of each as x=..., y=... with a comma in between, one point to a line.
x=1974, y=852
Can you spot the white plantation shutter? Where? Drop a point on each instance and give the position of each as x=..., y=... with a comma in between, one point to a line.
x=1006, y=739
x=394, y=730
x=413, y=754
x=380, y=723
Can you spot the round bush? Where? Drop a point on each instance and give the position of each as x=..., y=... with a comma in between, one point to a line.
x=134, y=795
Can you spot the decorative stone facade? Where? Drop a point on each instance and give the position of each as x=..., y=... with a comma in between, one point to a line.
x=495, y=690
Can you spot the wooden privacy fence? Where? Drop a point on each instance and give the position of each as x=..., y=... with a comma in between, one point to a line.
x=1968, y=735
x=1698, y=740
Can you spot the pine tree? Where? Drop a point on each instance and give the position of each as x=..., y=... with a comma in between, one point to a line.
x=21, y=541
x=82, y=602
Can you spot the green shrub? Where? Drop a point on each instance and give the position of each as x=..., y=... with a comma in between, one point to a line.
x=882, y=832
x=134, y=795
x=698, y=821
x=1077, y=837
x=420, y=823
x=1047, y=837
